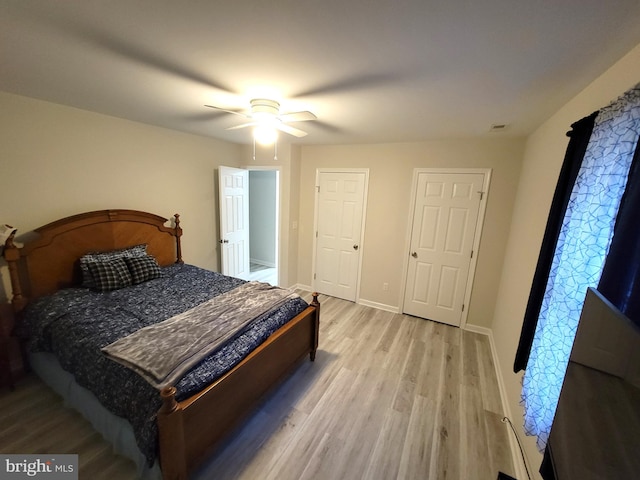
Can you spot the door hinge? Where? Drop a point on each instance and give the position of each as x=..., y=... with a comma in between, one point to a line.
x=463, y=307
x=471, y=253
x=481, y=194
x=316, y=234
x=314, y=276
x=318, y=187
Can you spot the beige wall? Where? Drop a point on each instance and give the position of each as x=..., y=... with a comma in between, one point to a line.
x=57, y=161
x=542, y=161
x=390, y=174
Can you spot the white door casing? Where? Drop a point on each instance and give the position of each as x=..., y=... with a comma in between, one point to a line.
x=445, y=225
x=234, y=221
x=340, y=213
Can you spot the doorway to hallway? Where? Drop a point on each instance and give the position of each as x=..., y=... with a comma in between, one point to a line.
x=263, y=225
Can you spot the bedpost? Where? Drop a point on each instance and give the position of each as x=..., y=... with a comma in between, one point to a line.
x=171, y=437
x=12, y=256
x=178, y=231
x=316, y=327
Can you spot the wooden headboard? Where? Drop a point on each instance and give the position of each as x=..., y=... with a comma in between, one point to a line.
x=50, y=261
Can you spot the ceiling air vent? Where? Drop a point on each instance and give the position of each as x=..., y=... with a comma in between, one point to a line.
x=498, y=127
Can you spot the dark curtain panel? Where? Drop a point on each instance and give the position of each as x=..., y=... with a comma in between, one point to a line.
x=579, y=139
x=620, y=281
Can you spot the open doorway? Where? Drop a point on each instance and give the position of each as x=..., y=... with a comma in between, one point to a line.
x=264, y=208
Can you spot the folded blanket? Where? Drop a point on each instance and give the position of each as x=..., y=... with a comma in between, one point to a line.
x=164, y=352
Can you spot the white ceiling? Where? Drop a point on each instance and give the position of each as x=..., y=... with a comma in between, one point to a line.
x=371, y=70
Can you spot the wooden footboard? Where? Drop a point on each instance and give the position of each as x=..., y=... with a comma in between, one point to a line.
x=191, y=429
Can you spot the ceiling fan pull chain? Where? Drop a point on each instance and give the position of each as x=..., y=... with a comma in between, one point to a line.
x=275, y=150
x=254, y=149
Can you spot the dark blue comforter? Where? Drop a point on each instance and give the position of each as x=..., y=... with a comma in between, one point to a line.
x=74, y=324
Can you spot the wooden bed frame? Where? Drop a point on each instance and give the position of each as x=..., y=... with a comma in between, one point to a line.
x=188, y=430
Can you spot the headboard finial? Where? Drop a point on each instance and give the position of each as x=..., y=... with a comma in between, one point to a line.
x=12, y=256
x=178, y=234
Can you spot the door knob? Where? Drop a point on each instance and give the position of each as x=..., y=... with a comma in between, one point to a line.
x=224, y=241
x=355, y=247
x=414, y=254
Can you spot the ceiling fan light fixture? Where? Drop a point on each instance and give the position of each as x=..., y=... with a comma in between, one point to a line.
x=265, y=118
x=265, y=134
x=263, y=107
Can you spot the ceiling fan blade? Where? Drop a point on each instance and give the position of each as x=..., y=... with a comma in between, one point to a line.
x=297, y=117
x=291, y=131
x=244, y=125
x=235, y=112
x=353, y=83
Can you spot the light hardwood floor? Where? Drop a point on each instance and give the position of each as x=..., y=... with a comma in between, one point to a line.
x=389, y=396
x=260, y=273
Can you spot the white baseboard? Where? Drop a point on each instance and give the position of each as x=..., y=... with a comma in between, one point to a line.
x=518, y=462
x=366, y=303
x=379, y=306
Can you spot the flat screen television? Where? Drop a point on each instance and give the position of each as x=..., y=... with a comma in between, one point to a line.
x=596, y=428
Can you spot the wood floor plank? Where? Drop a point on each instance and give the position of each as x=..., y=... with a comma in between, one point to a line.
x=476, y=463
x=404, y=395
x=470, y=368
x=395, y=360
x=386, y=457
x=445, y=460
x=389, y=396
x=30, y=389
x=329, y=365
x=49, y=429
x=28, y=408
x=432, y=369
x=298, y=452
x=240, y=451
x=413, y=365
x=500, y=455
x=418, y=444
x=363, y=433
x=275, y=445
x=388, y=337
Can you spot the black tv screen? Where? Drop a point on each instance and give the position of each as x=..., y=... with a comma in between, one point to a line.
x=596, y=428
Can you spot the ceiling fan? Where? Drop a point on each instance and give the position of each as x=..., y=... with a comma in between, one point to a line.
x=265, y=116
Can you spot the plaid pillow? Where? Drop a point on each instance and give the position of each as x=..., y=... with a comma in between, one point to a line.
x=109, y=274
x=143, y=268
x=85, y=260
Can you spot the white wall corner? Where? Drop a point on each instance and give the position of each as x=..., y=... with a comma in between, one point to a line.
x=300, y=286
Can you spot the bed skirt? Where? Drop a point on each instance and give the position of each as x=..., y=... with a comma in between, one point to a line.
x=116, y=430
